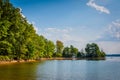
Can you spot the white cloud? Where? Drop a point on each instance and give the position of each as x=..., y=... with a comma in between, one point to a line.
x=21, y=13
x=69, y=37
x=36, y=28
x=66, y=35
x=114, y=29
x=110, y=47
x=112, y=33
x=92, y=4
x=110, y=39
x=34, y=25
x=56, y=30
x=57, y=34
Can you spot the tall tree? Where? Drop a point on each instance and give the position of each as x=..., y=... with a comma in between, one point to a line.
x=73, y=50
x=59, y=47
x=49, y=48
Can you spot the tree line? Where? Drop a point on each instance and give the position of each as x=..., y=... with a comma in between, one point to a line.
x=19, y=40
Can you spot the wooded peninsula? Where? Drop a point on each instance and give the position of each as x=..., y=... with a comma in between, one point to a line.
x=19, y=40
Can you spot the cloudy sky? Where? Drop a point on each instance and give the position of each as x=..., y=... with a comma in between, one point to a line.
x=75, y=22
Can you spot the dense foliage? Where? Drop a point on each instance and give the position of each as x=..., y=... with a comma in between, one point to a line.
x=19, y=40
x=70, y=51
x=92, y=50
x=59, y=48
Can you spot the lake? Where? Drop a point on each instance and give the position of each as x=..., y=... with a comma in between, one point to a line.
x=108, y=69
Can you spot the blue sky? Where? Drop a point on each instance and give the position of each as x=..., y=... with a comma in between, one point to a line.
x=75, y=22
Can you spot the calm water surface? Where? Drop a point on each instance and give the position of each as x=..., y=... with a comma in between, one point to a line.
x=108, y=69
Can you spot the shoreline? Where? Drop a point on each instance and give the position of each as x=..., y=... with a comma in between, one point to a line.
x=44, y=59
x=16, y=61
x=41, y=59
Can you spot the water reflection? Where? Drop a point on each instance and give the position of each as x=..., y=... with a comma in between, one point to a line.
x=113, y=59
x=19, y=71
x=78, y=70
x=92, y=70
x=63, y=70
x=96, y=59
x=55, y=70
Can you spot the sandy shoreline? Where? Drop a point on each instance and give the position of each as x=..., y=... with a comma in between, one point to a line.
x=43, y=59
x=15, y=61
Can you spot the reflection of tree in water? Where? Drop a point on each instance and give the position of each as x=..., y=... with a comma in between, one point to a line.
x=19, y=71
x=70, y=70
x=63, y=70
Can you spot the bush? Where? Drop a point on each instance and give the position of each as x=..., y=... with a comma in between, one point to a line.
x=4, y=58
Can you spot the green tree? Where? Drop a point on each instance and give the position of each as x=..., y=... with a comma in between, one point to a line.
x=73, y=50
x=49, y=48
x=5, y=48
x=81, y=54
x=70, y=51
x=19, y=40
x=59, y=48
x=92, y=50
x=66, y=52
x=13, y=29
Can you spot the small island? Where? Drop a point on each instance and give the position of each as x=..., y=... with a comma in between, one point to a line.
x=19, y=40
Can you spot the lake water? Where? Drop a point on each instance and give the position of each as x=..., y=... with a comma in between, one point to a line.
x=108, y=69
